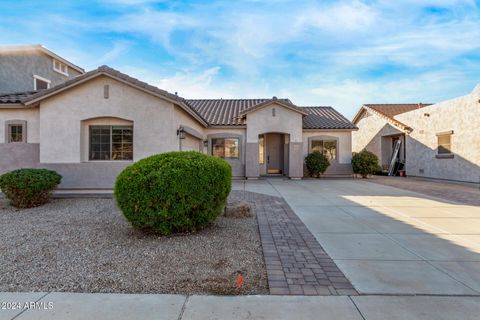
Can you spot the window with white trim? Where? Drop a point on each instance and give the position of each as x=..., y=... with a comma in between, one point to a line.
x=327, y=147
x=111, y=143
x=60, y=67
x=40, y=83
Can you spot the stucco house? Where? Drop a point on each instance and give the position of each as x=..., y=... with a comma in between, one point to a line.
x=440, y=141
x=33, y=67
x=93, y=125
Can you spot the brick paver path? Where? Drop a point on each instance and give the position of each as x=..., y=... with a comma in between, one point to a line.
x=296, y=263
x=463, y=194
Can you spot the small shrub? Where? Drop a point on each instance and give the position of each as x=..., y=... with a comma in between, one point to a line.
x=365, y=163
x=316, y=163
x=26, y=188
x=173, y=192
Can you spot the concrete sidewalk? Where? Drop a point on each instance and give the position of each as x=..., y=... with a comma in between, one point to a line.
x=74, y=306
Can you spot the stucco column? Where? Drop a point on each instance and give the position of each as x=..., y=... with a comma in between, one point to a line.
x=252, y=167
x=295, y=165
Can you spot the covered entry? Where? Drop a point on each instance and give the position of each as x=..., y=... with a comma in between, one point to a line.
x=273, y=151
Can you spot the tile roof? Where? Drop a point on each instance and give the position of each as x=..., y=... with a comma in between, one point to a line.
x=211, y=112
x=226, y=112
x=325, y=118
x=15, y=97
x=391, y=110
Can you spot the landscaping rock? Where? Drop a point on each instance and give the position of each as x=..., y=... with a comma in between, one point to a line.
x=238, y=209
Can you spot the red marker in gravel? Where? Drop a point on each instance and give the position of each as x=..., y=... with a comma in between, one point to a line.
x=239, y=280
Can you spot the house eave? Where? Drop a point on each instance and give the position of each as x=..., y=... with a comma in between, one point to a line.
x=182, y=105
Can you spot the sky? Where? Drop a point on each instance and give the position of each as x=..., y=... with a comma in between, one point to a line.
x=338, y=53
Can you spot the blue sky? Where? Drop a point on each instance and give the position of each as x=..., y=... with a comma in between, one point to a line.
x=339, y=53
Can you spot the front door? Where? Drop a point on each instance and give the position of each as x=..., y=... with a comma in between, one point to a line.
x=274, y=152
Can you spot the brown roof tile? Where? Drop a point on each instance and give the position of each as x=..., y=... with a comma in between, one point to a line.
x=226, y=112
x=391, y=110
x=15, y=97
x=325, y=118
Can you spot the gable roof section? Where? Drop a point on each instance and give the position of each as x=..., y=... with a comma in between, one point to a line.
x=223, y=112
x=39, y=47
x=325, y=118
x=282, y=102
x=389, y=111
x=117, y=75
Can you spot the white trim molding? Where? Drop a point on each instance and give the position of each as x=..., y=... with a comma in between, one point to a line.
x=35, y=77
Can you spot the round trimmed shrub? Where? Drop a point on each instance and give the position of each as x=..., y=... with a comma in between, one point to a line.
x=27, y=188
x=173, y=192
x=365, y=163
x=316, y=163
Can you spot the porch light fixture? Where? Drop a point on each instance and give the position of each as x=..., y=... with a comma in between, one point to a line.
x=181, y=133
x=205, y=143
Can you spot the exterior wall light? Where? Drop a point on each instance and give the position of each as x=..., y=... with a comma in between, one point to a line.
x=181, y=133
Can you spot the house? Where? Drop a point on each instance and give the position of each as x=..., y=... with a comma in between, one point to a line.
x=440, y=141
x=33, y=67
x=90, y=127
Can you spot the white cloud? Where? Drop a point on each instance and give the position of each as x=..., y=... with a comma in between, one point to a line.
x=340, y=17
x=194, y=85
x=119, y=48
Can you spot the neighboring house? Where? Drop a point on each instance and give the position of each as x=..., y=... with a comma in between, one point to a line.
x=92, y=126
x=32, y=68
x=439, y=141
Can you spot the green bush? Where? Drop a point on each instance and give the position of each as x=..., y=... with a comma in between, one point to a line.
x=26, y=188
x=173, y=192
x=316, y=163
x=365, y=163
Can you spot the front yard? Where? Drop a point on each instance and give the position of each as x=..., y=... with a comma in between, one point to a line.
x=86, y=245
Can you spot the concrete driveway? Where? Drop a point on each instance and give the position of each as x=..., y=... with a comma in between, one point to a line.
x=387, y=240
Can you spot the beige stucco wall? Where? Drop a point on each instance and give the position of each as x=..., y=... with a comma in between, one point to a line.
x=371, y=129
x=238, y=166
x=344, y=143
x=462, y=115
x=285, y=121
x=155, y=121
x=30, y=115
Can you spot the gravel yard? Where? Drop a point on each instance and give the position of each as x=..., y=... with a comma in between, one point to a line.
x=86, y=245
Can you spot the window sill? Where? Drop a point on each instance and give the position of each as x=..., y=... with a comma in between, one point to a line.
x=62, y=73
x=445, y=156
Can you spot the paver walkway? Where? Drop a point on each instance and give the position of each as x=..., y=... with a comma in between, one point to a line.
x=296, y=263
x=445, y=190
